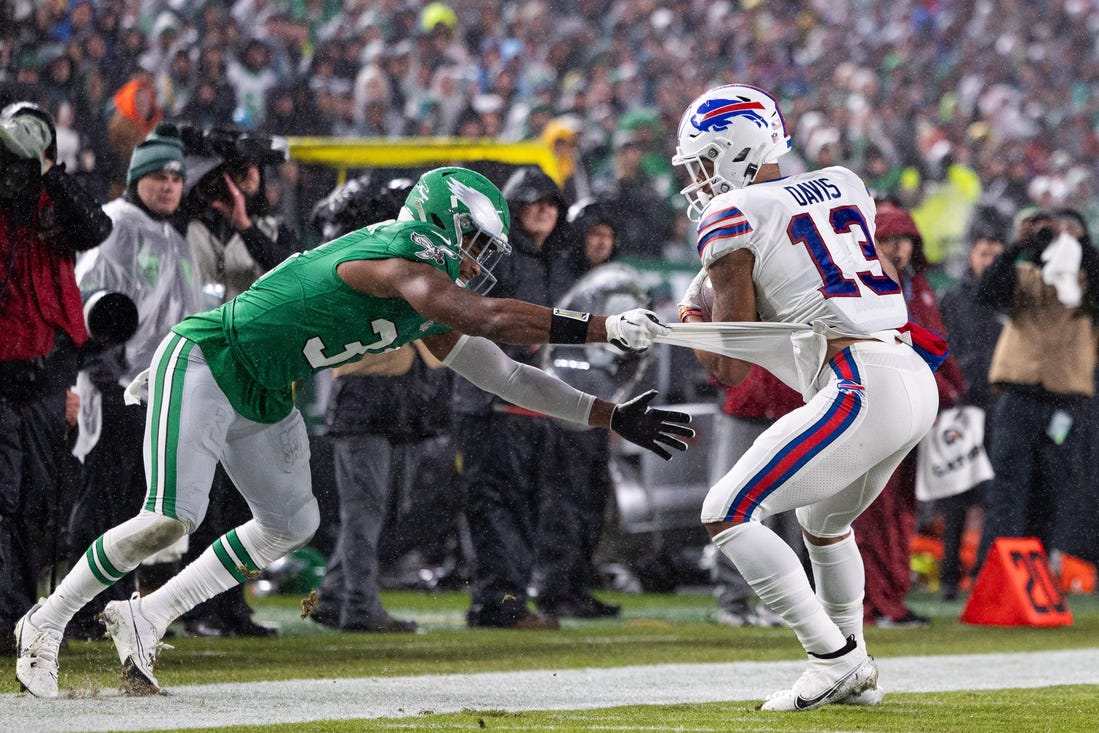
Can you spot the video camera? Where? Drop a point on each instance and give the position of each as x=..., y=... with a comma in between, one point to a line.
x=228, y=149
x=359, y=202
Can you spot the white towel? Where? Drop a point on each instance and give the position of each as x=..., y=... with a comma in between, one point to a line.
x=89, y=420
x=1061, y=268
x=138, y=390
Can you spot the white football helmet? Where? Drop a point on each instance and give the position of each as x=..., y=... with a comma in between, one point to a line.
x=735, y=129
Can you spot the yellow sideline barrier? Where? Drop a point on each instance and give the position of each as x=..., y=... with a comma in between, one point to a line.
x=344, y=153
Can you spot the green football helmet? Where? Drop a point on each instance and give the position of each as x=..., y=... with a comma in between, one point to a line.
x=472, y=212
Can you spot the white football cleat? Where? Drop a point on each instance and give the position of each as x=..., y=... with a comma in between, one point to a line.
x=870, y=697
x=830, y=679
x=137, y=642
x=36, y=665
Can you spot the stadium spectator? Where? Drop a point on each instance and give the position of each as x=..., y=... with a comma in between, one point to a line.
x=45, y=219
x=648, y=227
x=503, y=472
x=136, y=113
x=1044, y=370
x=147, y=259
x=573, y=503
x=979, y=111
x=973, y=328
x=251, y=75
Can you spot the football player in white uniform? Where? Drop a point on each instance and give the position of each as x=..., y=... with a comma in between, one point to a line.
x=800, y=249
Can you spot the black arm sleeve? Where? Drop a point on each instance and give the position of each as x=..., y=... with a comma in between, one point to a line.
x=269, y=252
x=996, y=287
x=81, y=223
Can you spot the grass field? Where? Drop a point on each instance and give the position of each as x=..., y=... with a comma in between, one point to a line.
x=654, y=630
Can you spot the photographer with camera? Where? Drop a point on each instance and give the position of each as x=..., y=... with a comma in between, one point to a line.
x=233, y=240
x=45, y=217
x=233, y=236
x=1043, y=375
x=147, y=259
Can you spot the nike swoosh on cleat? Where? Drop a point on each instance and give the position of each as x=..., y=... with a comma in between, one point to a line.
x=802, y=704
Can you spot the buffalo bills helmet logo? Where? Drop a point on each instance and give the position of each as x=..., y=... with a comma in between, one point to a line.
x=714, y=115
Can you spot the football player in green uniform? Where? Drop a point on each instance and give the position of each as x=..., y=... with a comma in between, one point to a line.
x=220, y=389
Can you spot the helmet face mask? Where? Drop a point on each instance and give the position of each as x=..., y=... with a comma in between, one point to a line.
x=724, y=137
x=484, y=251
x=473, y=214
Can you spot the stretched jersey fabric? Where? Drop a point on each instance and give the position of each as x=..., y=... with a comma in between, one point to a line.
x=300, y=318
x=812, y=236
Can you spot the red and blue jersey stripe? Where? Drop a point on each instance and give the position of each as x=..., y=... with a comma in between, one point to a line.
x=807, y=445
x=723, y=224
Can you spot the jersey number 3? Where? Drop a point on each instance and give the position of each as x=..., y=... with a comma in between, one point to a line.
x=314, y=347
x=803, y=230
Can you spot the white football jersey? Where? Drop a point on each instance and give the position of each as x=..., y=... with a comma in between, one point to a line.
x=813, y=239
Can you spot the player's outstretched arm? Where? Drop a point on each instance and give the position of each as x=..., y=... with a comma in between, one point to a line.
x=505, y=320
x=484, y=364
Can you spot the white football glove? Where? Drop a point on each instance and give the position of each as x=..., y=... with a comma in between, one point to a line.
x=635, y=329
x=691, y=302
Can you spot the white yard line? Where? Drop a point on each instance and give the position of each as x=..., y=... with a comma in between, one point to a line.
x=216, y=706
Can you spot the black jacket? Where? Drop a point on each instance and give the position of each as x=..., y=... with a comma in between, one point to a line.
x=972, y=330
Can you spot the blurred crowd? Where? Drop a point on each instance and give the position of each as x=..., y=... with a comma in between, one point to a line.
x=962, y=113
x=946, y=105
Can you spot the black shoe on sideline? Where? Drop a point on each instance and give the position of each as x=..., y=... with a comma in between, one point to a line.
x=246, y=627
x=509, y=618
x=385, y=624
x=581, y=607
x=203, y=628
x=211, y=628
x=325, y=616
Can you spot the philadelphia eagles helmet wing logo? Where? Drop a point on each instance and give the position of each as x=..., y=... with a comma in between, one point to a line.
x=437, y=253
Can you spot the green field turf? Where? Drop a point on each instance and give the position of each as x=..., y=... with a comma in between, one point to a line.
x=654, y=629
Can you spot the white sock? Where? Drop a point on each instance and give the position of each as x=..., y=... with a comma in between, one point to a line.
x=104, y=564
x=776, y=575
x=236, y=556
x=840, y=580
x=205, y=577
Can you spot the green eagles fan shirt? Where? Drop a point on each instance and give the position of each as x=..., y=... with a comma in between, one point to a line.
x=300, y=317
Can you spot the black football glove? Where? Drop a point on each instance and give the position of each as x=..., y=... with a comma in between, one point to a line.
x=649, y=427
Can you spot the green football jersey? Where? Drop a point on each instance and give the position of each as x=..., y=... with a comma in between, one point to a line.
x=300, y=317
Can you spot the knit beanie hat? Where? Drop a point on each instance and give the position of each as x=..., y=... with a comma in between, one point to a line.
x=162, y=150
x=893, y=221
